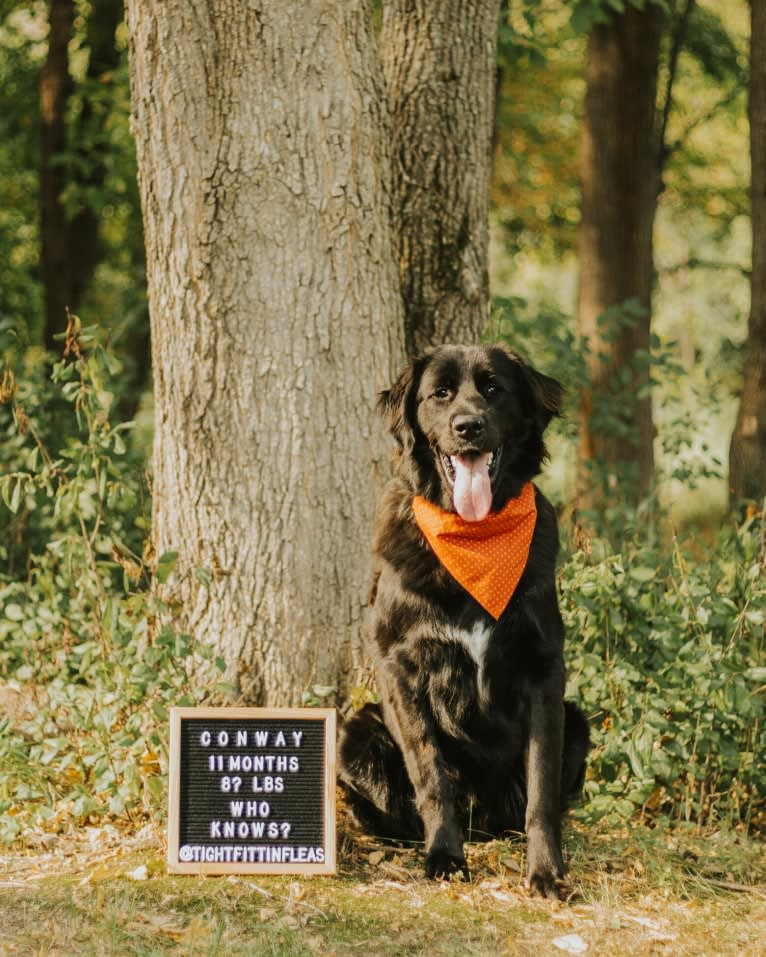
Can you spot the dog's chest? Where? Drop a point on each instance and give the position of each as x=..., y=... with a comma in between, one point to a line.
x=475, y=640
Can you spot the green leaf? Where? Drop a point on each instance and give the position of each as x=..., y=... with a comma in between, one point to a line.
x=15, y=500
x=711, y=45
x=14, y=612
x=155, y=785
x=203, y=576
x=226, y=689
x=166, y=566
x=642, y=573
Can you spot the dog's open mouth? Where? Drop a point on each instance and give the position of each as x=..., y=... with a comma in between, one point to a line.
x=470, y=478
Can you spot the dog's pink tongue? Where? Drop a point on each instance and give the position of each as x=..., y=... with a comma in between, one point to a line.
x=472, y=494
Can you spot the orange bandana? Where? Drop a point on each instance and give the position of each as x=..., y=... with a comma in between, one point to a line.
x=487, y=557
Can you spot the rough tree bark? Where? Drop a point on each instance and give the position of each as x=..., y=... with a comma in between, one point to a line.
x=620, y=181
x=275, y=320
x=747, y=453
x=439, y=61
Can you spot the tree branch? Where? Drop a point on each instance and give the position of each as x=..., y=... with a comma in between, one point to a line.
x=732, y=95
x=675, y=52
x=694, y=263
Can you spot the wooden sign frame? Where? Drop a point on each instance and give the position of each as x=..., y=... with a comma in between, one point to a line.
x=255, y=836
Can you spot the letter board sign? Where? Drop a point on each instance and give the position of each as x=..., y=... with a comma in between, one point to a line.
x=252, y=791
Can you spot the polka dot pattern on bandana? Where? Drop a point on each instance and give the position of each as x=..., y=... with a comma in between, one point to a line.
x=488, y=557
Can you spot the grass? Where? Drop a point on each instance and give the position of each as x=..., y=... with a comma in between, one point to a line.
x=635, y=892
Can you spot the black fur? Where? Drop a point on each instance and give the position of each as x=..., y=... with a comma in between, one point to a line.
x=451, y=742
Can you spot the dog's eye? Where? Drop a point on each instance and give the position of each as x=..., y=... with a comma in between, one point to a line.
x=490, y=389
x=442, y=392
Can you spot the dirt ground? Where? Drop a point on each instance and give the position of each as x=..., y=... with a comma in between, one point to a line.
x=106, y=891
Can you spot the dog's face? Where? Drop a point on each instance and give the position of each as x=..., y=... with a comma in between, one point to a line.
x=469, y=421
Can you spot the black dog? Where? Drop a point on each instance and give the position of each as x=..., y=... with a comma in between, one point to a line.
x=472, y=727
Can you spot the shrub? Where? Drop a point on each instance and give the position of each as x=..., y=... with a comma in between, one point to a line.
x=666, y=640
x=89, y=660
x=666, y=655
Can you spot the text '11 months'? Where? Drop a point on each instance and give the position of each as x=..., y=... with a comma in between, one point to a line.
x=252, y=790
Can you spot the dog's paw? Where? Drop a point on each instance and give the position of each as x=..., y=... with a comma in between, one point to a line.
x=442, y=863
x=549, y=885
x=545, y=868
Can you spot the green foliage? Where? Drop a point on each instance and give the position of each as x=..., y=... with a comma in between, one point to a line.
x=588, y=13
x=102, y=175
x=710, y=43
x=89, y=660
x=99, y=161
x=535, y=179
x=20, y=50
x=535, y=176
x=666, y=656
x=666, y=644
x=319, y=696
x=518, y=38
x=550, y=337
x=545, y=333
x=69, y=411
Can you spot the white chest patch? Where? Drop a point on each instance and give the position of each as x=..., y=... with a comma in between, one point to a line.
x=474, y=641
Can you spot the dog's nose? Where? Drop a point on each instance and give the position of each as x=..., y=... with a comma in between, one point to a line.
x=469, y=426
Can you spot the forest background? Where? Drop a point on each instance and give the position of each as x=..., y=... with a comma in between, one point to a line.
x=662, y=581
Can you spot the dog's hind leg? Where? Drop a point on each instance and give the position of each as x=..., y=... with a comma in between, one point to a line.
x=374, y=779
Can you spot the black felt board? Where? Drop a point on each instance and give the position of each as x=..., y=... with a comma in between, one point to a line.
x=254, y=787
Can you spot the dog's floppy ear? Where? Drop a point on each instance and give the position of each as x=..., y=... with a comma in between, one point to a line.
x=397, y=404
x=547, y=392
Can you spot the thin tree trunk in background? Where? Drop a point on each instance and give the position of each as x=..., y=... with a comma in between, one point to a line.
x=439, y=61
x=55, y=88
x=275, y=321
x=90, y=136
x=620, y=180
x=747, y=454
x=70, y=245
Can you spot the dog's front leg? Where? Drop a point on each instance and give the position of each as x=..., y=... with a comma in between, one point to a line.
x=545, y=865
x=412, y=727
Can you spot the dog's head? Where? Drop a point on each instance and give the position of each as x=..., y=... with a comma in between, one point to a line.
x=469, y=422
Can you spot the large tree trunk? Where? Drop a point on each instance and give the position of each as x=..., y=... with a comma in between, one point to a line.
x=439, y=61
x=620, y=180
x=747, y=454
x=275, y=320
